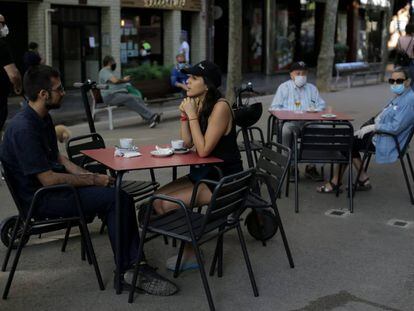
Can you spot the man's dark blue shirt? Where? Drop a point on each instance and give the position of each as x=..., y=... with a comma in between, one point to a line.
x=29, y=147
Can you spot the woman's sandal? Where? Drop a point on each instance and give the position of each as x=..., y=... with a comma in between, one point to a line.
x=363, y=185
x=325, y=189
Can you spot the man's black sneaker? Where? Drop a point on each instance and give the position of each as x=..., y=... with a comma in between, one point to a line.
x=155, y=120
x=312, y=173
x=149, y=282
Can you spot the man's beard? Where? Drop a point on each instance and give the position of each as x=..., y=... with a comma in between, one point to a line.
x=51, y=106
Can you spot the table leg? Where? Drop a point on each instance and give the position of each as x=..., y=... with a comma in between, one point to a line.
x=174, y=173
x=118, y=241
x=270, y=128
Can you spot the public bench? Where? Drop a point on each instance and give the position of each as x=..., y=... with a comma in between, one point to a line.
x=98, y=105
x=357, y=69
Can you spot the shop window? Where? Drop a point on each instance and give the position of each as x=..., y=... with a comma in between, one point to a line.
x=137, y=28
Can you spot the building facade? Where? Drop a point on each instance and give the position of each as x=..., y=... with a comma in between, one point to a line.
x=74, y=35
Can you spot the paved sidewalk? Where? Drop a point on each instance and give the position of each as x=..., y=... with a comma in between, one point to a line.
x=357, y=262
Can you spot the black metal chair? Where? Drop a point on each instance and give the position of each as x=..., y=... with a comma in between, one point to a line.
x=33, y=225
x=402, y=152
x=139, y=190
x=272, y=167
x=253, y=142
x=189, y=226
x=327, y=142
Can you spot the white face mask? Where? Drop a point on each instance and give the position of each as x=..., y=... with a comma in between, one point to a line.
x=300, y=81
x=4, y=31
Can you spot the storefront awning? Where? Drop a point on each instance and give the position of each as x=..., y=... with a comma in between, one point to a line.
x=183, y=5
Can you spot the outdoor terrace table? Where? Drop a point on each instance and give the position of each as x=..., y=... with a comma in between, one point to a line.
x=278, y=118
x=122, y=165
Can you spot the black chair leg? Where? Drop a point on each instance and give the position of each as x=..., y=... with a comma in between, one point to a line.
x=91, y=253
x=174, y=242
x=350, y=187
x=407, y=180
x=220, y=257
x=165, y=240
x=65, y=240
x=103, y=225
x=203, y=275
x=247, y=260
x=410, y=165
x=85, y=248
x=179, y=258
x=287, y=183
x=367, y=163
x=284, y=238
x=214, y=261
x=11, y=242
x=16, y=260
x=296, y=189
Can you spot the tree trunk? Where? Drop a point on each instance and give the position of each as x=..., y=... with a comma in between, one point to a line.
x=234, y=75
x=326, y=54
x=385, y=37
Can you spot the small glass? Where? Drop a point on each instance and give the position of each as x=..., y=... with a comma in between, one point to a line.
x=298, y=106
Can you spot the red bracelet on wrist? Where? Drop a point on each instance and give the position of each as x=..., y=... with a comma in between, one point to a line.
x=184, y=118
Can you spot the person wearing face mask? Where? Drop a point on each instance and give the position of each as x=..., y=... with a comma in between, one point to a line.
x=179, y=79
x=396, y=118
x=9, y=75
x=120, y=92
x=288, y=94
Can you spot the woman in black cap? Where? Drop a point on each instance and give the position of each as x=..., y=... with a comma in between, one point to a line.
x=207, y=125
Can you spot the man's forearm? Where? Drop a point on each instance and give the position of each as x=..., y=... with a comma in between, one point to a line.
x=71, y=167
x=74, y=180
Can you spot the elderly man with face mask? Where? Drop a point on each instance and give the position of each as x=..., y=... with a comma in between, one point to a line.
x=297, y=94
x=9, y=75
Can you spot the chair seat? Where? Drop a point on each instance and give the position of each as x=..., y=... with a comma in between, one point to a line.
x=174, y=224
x=255, y=145
x=323, y=156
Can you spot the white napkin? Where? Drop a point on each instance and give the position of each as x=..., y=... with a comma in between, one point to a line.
x=119, y=152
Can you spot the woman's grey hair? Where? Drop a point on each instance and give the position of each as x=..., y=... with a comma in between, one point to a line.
x=401, y=70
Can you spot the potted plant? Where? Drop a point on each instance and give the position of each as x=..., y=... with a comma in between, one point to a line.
x=152, y=80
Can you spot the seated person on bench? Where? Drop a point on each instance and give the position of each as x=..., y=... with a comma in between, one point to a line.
x=118, y=93
x=297, y=90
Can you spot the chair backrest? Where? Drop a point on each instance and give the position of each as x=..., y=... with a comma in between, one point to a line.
x=6, y=175
x=329, y=136
x=75, y=145
x=229, y=196
x=275, y=164
x=407, y=143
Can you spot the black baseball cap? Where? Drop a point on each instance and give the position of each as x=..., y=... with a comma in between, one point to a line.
x=298, y=66
x=207, y=70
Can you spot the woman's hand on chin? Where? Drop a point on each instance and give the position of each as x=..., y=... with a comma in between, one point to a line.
x=190, y=107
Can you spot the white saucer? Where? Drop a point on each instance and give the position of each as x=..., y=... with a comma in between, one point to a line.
x=181, y=151
x=162, y=154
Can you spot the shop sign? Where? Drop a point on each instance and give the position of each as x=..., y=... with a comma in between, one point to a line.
x=185, y=5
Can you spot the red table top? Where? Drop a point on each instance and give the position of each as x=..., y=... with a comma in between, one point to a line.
x=287, y=115
x=146, y=160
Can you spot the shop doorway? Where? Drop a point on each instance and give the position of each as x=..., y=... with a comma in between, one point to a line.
x=76, y=44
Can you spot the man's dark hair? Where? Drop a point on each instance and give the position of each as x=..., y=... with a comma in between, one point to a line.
x=33, y=45
x=38, y=78
x=107, y=59
x=409, y=29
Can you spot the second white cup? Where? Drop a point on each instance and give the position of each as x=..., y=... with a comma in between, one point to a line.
x=177, y=144
x=126, y=143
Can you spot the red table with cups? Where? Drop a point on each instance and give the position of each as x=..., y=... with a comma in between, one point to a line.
x=278, y=118
x=122, y=165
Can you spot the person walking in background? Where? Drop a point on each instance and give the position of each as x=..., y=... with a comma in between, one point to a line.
x=145, y=52
x=184, y=47
x=406, y=45
x=9, y=75
x=178, y=78
x=32, y=56
x=117, y=94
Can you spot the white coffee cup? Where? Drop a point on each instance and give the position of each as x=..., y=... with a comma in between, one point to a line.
x=126, y=143
x=177, y=144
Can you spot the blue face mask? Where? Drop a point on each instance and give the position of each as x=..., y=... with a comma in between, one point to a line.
x=181, y=65
x=397, y=88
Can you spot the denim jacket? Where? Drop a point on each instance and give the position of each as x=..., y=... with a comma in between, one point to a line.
x=397, y=118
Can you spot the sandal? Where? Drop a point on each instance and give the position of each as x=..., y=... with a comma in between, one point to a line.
x=363, y=185
x=334, y=188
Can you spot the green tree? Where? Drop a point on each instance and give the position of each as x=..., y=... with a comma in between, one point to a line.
x=326, y=54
